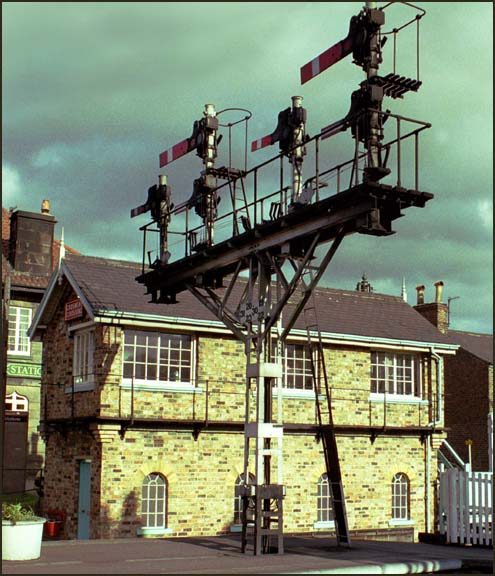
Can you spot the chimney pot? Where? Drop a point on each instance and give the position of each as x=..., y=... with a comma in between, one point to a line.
x=421, y=294
x=439, y=292
x=45, y=207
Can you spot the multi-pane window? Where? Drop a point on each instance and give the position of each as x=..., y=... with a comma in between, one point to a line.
x=324, y=500
x=157, y=357
x=400, y=497
x=19, y=321
x=83, y=357
x=298, y=374
x=154, y=501
x=394, y=374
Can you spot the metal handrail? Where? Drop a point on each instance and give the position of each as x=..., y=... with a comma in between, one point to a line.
x=257, y=206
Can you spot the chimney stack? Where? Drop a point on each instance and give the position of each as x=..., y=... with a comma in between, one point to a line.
x=435, y=312
x=45, y=207
x=421, y=294
x=439, y=292
x=31, y=241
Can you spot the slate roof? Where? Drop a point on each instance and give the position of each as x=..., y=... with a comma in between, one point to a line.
x=481, y=345
x=110, y=285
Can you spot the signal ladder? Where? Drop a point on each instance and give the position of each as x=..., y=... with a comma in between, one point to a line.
x=325, y=419
x=237, y=195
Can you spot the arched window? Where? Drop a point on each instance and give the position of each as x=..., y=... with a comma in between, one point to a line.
x=324, y=500
x=154, y=501
x=237, y=498
x=400, y=497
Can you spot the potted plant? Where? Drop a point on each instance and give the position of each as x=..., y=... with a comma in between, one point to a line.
x=22, y=530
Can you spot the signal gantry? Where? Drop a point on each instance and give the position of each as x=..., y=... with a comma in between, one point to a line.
x=272, y=236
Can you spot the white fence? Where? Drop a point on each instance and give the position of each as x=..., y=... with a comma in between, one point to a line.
x=490, y=441
x=466, y=507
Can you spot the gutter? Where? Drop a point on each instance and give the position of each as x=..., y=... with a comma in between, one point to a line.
x=203, y=424
x=213, y=326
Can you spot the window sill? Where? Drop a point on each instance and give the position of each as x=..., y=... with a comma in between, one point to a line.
x=330, y=525
x=149, y=387
x=401, y=523
x=394, y=399
x=18, y=354
x=83, y=387
x=155, y=532
x=294, y=393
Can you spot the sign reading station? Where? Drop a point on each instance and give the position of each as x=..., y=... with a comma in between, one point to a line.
x=24, y=370
x=73, y=310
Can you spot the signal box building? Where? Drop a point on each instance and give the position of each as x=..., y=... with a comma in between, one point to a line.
x=143, y=411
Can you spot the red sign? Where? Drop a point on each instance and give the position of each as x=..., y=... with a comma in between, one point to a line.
x=73, y=310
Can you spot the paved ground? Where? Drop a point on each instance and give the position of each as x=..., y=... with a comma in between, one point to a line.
x=221, y=555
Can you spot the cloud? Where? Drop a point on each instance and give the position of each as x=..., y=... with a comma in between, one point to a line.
x=11, y=186
x=93, y=92
x=47, y=157
x=485, y=209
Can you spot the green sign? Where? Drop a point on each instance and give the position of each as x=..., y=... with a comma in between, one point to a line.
x=24, y=370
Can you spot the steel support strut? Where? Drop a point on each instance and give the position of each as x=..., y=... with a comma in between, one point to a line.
x=254, y=317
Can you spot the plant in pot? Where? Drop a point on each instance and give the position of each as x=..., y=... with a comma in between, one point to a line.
x=22, y=531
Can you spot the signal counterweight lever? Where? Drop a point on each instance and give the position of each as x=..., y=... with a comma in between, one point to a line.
x=290, y=133
x=297, y=122
x=160, y=205
x=204, y=198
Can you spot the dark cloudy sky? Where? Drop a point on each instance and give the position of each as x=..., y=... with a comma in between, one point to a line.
x=93, y=92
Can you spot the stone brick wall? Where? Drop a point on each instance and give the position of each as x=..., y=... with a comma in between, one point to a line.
x=468, y=400
x=201, y=475
x=64, y=451
x=57, y=372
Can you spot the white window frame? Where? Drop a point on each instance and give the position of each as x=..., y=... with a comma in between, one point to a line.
x=290, y=372
x=324, y=505
x=393, y=366
x=153, y=528
x=401, y=501
x=83, y=361
x=157, y=384
x=17, y=350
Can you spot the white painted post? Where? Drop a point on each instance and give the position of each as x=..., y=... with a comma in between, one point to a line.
x=490, y=442
x=453, y=507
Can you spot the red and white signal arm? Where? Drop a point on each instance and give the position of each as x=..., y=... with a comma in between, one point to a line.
x=73, y=310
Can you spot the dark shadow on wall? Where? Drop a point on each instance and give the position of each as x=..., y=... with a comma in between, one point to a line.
x=34, y=462
x=126, y=525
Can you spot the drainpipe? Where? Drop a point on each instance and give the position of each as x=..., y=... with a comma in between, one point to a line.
x=439, y=362
x=427, y=487
x=437, y=419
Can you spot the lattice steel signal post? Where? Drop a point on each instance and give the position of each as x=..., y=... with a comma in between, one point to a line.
x=273, y=239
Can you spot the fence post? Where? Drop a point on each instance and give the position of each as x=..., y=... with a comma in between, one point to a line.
x=490, y=442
